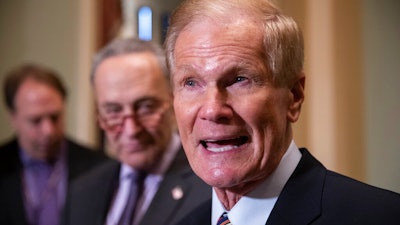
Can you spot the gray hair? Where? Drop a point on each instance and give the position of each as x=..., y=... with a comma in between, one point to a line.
x=282, y=38
x=123, y=46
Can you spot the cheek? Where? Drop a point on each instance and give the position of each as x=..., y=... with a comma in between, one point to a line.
x=255, y=114
x=30, y=132
x=61, y=126
x=184, y=115
x=112, y=141
x=265, y=121
x=263, y=112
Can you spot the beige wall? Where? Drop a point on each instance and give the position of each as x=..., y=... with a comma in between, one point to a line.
x=58, y=34
x=332, y=120
x=349, y=120
x=381, y=32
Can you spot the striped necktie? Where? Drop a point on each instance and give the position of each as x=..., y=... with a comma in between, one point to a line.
x=134, y=195
x=224, y=220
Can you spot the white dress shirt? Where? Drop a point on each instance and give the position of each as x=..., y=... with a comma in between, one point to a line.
x=255, y=207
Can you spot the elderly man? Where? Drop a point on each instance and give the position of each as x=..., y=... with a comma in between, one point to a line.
x=152, y=183
x=238, y=85
x=38, y=164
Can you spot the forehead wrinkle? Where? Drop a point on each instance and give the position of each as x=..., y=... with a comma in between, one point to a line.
x=210, y=58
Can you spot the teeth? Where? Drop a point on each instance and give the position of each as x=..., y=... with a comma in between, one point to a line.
x=223, y=145
x=221, y=149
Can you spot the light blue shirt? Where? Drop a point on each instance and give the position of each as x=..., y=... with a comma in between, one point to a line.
x=255, y=207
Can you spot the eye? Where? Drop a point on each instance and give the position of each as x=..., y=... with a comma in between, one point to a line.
x=35, y=120
x=190, y=82
x=54, y=117
x=240, y=79
x=111, y=109
x=146, y=107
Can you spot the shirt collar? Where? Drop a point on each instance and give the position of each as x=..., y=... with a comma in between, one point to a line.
x=255, y=207
x=27, y=160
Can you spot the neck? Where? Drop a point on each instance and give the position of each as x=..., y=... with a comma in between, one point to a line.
x=230, y=196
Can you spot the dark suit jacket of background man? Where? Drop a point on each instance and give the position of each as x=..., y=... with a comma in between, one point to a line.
x=12, y=212
x=317, y=196
x=92, y=194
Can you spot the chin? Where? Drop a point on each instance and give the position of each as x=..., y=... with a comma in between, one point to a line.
x=216, y=177
x=139, y=161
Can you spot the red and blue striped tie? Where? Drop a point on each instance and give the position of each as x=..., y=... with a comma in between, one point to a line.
x=224, y=220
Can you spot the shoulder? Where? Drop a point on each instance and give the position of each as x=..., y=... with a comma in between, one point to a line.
x=9, y=156
x=198, y=216
x=75, y=147
x=347, y=189
x=90, y=193
x=345, y=198
x=80, y=152
x=338, y=187
x=8, y=146
x=102, y=174
x=81, y=159
x=333, y=198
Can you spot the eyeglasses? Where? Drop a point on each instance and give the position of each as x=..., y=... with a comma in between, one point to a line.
x=147, y=113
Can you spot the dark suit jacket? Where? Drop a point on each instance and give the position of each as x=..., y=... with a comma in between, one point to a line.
x=315, y=195
x=12, y=212
x=91, y=195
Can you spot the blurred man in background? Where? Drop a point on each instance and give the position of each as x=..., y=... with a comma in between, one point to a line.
x=37, y=165
x=152, y=183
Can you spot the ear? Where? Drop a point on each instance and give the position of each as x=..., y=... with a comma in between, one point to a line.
x=297, y=98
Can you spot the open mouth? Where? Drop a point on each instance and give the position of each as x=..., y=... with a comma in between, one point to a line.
x=224, y=145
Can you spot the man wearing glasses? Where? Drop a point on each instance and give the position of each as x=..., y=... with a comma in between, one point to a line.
x=153, y=183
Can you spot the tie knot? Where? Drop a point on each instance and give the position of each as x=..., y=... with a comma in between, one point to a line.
x=140, y=175
x=224, y=220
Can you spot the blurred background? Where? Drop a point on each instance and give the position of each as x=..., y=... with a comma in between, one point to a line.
x=350, y=119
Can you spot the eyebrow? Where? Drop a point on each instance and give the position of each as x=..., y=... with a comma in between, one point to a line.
x=110, y=104
x=139, y=100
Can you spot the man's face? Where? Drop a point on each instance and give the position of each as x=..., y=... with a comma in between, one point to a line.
x=135, y=108
x=233, y=121
x=38, y=119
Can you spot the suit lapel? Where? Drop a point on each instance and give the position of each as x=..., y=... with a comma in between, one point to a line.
x=171, y=193
x=92, y=194
x=199, y=216
x=107, y=191
x=73, y=157
x=300, y=200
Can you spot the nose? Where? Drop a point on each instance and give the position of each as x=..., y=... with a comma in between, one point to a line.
x=131, y=126
x=215, y=106
x=48, y=127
